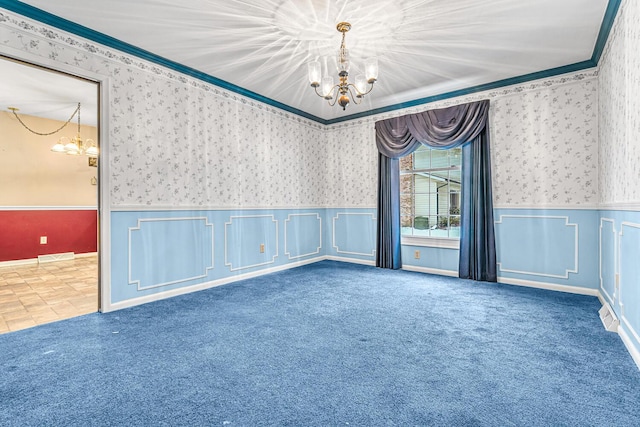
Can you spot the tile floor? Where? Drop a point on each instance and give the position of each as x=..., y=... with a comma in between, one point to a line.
x=34, y=294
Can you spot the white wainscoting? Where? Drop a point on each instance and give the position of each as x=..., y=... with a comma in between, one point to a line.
x=254, y=260
x=157, y=258
x=611, y=297
x=515, y=241
x=287, y=234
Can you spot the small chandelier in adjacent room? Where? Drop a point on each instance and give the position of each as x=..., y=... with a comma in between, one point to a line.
x=340, y=93
x=73, y=146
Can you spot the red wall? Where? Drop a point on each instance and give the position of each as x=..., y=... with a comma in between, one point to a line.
x=66, y=231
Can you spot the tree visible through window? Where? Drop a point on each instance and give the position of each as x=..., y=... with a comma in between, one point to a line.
x=430, y=185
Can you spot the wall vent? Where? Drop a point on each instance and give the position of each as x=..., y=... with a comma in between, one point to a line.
x=608, y=318
x=56, y=257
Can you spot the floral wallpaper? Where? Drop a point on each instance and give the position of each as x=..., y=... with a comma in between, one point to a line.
x=352, y=167
x=196, y=147
x=544, y=142
x=545, y=146
x=177, y=141
x=619, y=110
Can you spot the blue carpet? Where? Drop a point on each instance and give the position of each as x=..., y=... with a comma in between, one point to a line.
x=329, y=344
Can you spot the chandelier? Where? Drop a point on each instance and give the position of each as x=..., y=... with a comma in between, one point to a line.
x=340, y=93
x=73, y=146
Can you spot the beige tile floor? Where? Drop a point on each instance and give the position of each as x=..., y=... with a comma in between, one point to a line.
x=31, y=295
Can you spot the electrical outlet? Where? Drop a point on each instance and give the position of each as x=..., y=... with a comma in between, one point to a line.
x=416, y=254
x=262, y=248
x=43, y=240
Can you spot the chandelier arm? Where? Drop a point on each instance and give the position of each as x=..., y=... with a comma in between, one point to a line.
x=355, y=99
x=317, y=93
x=331, y=91
x=361, y=94
x=335, y=99
x=45, y=134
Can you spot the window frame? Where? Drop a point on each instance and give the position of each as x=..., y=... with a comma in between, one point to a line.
x=431, y=241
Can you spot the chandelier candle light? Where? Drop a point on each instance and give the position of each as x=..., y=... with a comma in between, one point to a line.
x=339, y=93
x=74, y=146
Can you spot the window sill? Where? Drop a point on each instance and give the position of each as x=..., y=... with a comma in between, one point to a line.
x=432, y=242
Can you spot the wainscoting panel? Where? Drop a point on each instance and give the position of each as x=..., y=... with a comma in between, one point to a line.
x=629, y=250
x=619, y=253
x=352, y=233
x=302, y=235
x=166, y=251
x=551, y=246
x=157, y=254
x=548, y=245
x=250, y=241
x=435, y=260
x=608, y=254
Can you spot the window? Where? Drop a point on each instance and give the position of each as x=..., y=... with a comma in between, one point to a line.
x=430, y=184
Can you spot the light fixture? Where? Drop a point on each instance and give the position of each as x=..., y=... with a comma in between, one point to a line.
x=339, y=93
x=73, y=146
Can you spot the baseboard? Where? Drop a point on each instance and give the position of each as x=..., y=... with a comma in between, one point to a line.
x=631, y=348
x=437, y=271
x=86, y=255
x=508, y=281
x=219, y=282
x=65, y=256
x=626, y=340
x=350, y=260
x=550, y=286
x=18, y=262
x=202, y=286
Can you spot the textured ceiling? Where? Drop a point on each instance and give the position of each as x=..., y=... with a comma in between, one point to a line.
x=424, y=47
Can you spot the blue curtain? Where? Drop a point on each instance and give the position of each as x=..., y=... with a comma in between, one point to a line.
x=464, y=125
x=388, y=246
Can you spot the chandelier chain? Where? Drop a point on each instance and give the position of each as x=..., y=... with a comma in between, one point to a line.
x=77, y=111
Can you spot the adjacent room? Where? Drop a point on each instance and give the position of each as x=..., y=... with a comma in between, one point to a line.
x=49, y=212
x=319, y=213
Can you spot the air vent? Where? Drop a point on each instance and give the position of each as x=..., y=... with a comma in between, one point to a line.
x=608, y=318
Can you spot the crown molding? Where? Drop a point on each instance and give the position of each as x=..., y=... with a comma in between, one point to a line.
x=101, y=38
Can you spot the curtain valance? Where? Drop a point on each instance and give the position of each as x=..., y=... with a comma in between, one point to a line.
x=442, y=128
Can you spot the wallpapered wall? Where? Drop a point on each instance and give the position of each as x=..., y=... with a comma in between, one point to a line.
x=352, y=166
x=544, y=142
x=176, y=141
x=619, y=117
x=545, y=147
x=619, y=110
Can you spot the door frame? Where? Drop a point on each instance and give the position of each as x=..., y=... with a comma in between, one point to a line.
x=104, y=195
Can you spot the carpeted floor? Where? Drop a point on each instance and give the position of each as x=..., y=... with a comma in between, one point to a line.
x=329, y=344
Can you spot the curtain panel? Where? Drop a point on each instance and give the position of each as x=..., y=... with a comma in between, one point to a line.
x=464, y=125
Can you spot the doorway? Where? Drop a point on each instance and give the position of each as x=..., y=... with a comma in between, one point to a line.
x=49, y=203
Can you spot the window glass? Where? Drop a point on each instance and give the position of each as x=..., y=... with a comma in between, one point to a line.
x=430, y=186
